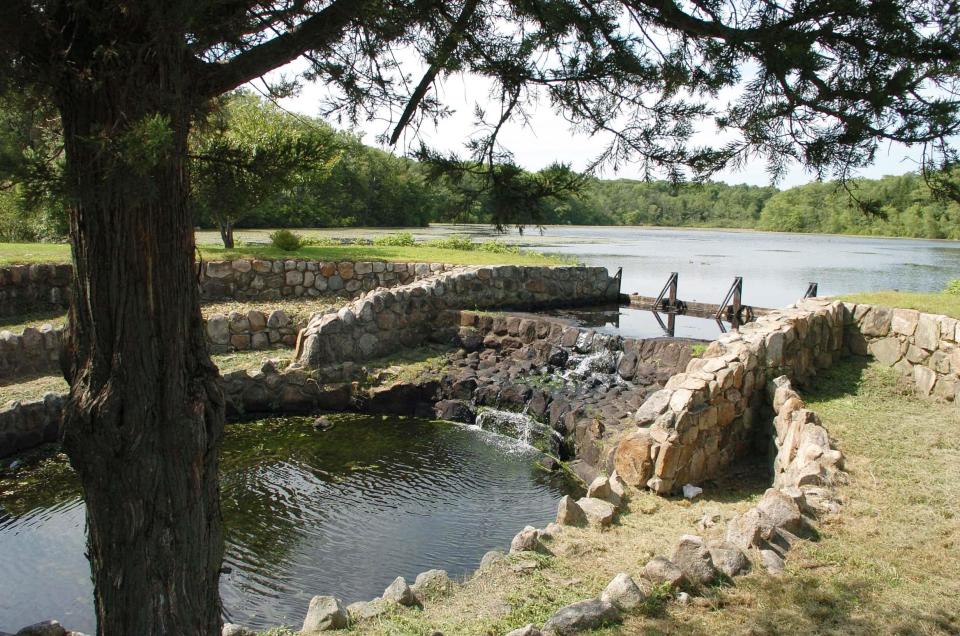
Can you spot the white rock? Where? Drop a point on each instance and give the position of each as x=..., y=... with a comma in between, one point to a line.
x=692, y=492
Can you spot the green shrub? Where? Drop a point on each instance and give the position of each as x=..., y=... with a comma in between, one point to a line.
x=953, y=287
x=286, y=240
x=400, y=239
x=456, y=242
x=496, y=246
x=321, y=241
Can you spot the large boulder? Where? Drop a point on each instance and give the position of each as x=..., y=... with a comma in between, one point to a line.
x=325, y=613
x=728, y=558
x=581, y=616
x=431, y=584
x=399, y=592
x=569, y=513
x=779, y=510
x=231, y=629
x=623, y=593
x=491, y=558
x=600, y=488
x=632, y=458
x=597, y=511
x=693, y=558
x=662, y=570
x=527, y=540
x=745, y=530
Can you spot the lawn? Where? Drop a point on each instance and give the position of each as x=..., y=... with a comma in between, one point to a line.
x=24, y=253
x=931, y=302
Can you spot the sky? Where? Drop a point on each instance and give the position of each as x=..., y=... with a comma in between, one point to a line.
x=548, y=138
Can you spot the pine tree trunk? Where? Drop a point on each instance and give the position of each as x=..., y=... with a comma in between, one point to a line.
x=145, y=417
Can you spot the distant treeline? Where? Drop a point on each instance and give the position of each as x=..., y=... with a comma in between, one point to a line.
x=259, y=166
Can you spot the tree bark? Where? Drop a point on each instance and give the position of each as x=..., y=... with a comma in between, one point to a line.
x=145, y=416
x=226, y=234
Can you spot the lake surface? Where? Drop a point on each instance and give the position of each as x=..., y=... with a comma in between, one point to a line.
x=341, y=512
x=776, y=267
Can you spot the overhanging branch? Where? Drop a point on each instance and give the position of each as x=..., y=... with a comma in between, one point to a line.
x=317, y=32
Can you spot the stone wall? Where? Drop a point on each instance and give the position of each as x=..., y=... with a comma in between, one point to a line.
x=46, y=285
x=802, y=453
x=382, y=321
x=254, y=329
x=31, y=287
x=707, y=416
x=923, y=347
x=24, y=425
x=255, y=279
x=37, y=350
x=31, y=352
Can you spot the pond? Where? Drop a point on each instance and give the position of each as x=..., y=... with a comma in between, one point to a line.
x=341, y=512
x=776, y=267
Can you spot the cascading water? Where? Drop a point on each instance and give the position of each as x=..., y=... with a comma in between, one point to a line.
x=602, y=361
x=520, y=427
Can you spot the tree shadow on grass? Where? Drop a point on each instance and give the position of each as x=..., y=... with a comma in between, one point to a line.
x=842, y=379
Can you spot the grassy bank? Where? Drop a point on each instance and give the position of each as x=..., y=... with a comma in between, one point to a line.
x=25, y=253
x=886, y=565
x=931, y=302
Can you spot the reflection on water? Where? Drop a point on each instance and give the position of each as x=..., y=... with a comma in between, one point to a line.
x=341, y=512
x=640, y=323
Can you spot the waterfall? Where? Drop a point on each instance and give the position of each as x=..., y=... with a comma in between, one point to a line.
x=521, y=427
x=603, y=361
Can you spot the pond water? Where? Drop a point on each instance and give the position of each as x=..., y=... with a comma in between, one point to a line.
x=341, y=512
x=776, y=267
x=640, y=323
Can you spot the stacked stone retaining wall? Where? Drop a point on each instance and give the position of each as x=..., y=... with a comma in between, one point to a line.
x=24, y=425
x=36, y=350
x=47, y=285
x=924, y=347
x=707, y=416
x=382, y=321
x=31, y=287
x=256, y=279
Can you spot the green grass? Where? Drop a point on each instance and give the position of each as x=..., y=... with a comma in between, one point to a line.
x=931, y=303
x=24, y=253
x=31, y=389
x=38, y=318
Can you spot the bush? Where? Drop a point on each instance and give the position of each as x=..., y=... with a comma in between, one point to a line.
x=456, y=242
x=320, y=241
x=495, y=246
x=286, y=240
x=953, y=287
x=401, y=239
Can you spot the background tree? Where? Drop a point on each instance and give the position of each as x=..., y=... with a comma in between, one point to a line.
x=247, y=151
x=820, y=82
x=31, y=168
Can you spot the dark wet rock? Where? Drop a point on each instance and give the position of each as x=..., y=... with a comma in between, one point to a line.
x=322, y=424
x=45, y=628
x=558, y=358
x=455, y=411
